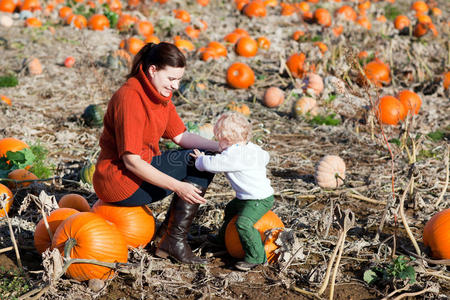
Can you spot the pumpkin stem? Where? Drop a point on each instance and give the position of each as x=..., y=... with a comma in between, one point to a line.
x=68, y=247
x=337, y=176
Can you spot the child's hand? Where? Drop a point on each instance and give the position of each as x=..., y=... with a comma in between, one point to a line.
x=197, y=153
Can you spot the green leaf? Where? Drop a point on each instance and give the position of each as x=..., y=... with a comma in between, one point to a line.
x=408, y=273
x=395, y=141
x=19, y=159
x=8, y=81
x=370, y=276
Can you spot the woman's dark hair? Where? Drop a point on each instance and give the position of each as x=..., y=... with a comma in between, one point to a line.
x=161, y=55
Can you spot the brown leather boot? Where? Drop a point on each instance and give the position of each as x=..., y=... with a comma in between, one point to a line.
x=174, y=242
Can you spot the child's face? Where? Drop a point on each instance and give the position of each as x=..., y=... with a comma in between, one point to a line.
x=224, y=144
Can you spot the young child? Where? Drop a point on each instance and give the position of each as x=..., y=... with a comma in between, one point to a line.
x=244, y=165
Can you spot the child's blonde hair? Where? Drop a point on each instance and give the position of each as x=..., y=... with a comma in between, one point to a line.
x=233, y=127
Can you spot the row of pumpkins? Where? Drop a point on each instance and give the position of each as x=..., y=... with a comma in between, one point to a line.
x=105, y=232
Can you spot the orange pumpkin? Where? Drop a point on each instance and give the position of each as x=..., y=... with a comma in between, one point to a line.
x=305, y=105
x=33, y=22
x=64, y=12
x=273, y=97
x=220, y=49
x=182, y=15
x=125, y=22
x=234, y=36
x=74, y=201
x=296, y=64
x=114, y=6
x=270, y=221
x=11, y=144
x=364, y=22
x=298, y=34
x=420, y=7
x=263, y=43
x=192, y=32
x=134, y=45
x=287, y=9
x=378, y=72
x=152, y=39
x=184, y=45
x=20, y=174
x=410, y=100
x=445, y=82
x=347, y=13
x=30, y=5
x=6, y=100
x=389, y=110
x=436, y=234
x=136, y=223
x=98, y=22
x=313, y=84
x=421, y=29
x=323, y=17
x=240, y=76
x=94, y=238
x=246, y=46
x=42, y=241
x=255, y=9
x=8, y=6
x=322, y=47
x=77, y=21
x=401, y=22
x=5, y=192
x=203, y=2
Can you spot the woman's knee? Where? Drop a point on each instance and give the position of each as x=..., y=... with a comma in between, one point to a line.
x=244, y=223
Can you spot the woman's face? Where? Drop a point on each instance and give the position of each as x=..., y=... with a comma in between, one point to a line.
x=165, y=80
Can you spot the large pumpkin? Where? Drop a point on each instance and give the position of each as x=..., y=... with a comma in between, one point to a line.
x=296, y=64
x=330, y=171
x=136, y=223
x=267, y=222
x=5, y=191
x=93, y=238
x=42, y=240
x=436, y=234
x=20, y=174
x=378, y=72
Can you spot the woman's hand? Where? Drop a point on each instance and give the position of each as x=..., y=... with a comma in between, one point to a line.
x=197, y=153
x=189, y=193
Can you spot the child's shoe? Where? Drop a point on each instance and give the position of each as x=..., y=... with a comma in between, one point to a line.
x=245, y=266
x=215, y=241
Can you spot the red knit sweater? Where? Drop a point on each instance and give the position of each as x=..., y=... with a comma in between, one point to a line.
x=136, y=118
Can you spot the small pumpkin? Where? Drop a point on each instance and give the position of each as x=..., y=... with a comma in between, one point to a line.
x=93, y=238
x=6, y=21
x=144, y=28
x=330, y=171
x=6, y=100
x=389, y=110
x=273, y=97
x=401, y=23
x=446, y=80
x=77, y=21
x=347, y=13
x=74, y=201
x=436, y=234
x=93, y=115
x=243, y=108
x=296, y=64
x=246, y=46
x=182, y=15
x=33, y=22
x=6, y=193
x=240, y=76
x=378, y=72
x=305, y=105
x=8, y=6
x=323, y=17
x=20, y=174
x=255, y=9
x=87, y=172
x=34, y=66
x=98, y=22
x=42, y=241
x=410, y=100
x=136, y=223
x=263, y=43
x=420, y=7
x=269, y=222
x=312, y=84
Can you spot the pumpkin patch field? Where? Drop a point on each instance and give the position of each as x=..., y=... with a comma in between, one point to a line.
x=351, y=98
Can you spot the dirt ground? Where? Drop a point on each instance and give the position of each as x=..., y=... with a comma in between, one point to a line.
x=48, y=107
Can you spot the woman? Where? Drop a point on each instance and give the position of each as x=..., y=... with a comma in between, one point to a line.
x=131, y=171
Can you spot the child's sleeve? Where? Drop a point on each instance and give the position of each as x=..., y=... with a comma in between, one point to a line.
x=218, y=163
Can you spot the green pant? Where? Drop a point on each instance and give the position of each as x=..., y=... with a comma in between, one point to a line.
x=249, y=212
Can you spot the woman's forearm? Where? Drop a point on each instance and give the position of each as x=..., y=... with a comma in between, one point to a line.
x=190, y=140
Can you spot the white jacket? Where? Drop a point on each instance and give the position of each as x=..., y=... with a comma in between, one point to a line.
x=245, y=168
